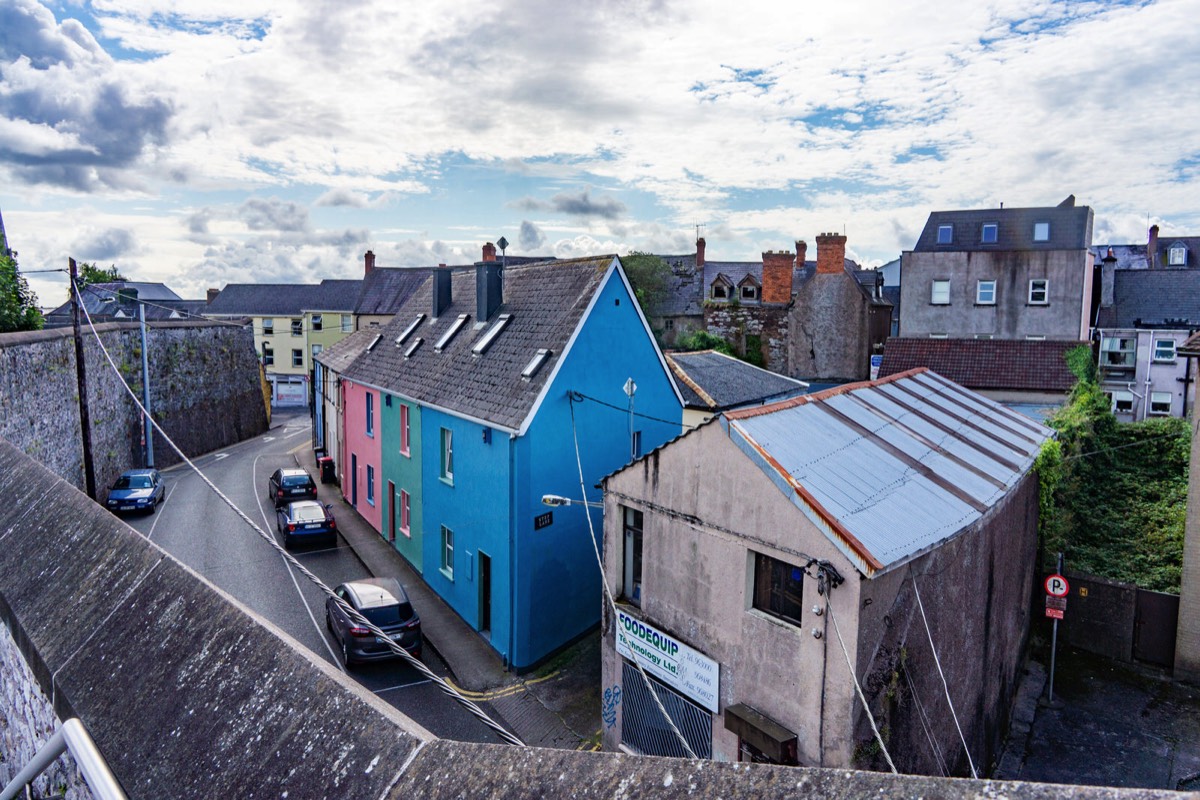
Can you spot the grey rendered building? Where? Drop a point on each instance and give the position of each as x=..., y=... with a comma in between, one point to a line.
x=1002, y=273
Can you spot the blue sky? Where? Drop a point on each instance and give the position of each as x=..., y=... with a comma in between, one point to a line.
x=219, y=141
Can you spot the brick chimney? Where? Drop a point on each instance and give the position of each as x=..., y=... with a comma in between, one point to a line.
x=212, y=294
x=489, y=252
x=368, y=263
x=700, y=252
x=1152, y=248
x=801, y=253
x=777, y=277
x=831, y=253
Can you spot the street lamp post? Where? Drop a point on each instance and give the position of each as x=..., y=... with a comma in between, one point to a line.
x=554, y=500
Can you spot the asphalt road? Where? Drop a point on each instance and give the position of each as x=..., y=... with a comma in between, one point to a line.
x=197, y=527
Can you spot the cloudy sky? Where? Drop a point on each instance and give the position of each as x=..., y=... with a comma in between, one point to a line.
x=202, y=142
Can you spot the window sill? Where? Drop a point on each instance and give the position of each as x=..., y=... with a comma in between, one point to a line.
x=937, y=304
x=1164, y=361
x=985, y=305
x=445, y=480
x=406, y=533
x=1035, y=303
x=448, y=574
x=406, y=453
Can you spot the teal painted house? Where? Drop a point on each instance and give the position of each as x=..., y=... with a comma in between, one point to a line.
x=501, y=386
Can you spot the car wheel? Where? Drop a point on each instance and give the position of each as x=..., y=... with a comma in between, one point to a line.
x=328, y=621
x=153, y=507
x=345, y=656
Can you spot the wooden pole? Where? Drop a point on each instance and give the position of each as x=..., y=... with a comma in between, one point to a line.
x=85, y=421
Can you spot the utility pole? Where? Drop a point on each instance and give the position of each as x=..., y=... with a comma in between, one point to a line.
x=85, y=421
x=147, y=427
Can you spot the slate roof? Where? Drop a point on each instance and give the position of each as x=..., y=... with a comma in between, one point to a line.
x=685, y=287
x=1128, y=256
x=997, y=364
x=713, y=381
x=1070, y=229
x=1191, y=347
x=341, y=354
x=103, y=301
x=1154, y=298
x=1191, y=245
x=385, y=289
x=915, y=448
x=547, y=302
x=284, y=299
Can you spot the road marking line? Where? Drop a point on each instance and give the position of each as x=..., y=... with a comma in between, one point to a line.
x=219, y=456
x=402, y=686
x=503, y=691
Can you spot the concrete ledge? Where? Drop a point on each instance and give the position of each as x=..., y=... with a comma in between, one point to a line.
x=190, y=694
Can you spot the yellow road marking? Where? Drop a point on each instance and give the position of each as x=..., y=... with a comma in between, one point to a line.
x=504, y=691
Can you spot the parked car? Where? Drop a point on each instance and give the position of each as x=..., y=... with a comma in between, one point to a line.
x=304, y=521
x=286, y=485
x=136, y=490
x=385, y=604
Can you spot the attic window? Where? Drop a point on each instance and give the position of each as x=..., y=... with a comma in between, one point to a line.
x=408, y=331
x=455, y=327
x=749, y=291
x=945, y=234
x=988, y=235
x=1177, y=255
x=1041, y=231
x=720, y=291
x=483, y=344
x=374, y=342
x=535, y=363
x=412, y=348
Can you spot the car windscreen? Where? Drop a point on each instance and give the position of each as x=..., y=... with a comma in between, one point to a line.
x=309, y=514
x=132, y=482
x=296, y=480
x=389, y=615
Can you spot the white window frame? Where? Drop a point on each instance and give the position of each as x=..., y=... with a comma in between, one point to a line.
x=939, y=292
x=405, y=430
x=298, y=327
x=268, y=326
x=447, y=465
x=939, y=336
x=1177, y=255
x=297, y=357
x=748, y=291
x=948, y=231
x=447, y=548
x=370, y=484
x=370, y=414
x=1044, y=291
x=405, y=514
x=1041, y=231
x=1161, y=354
x=268, y=355
x=994, y=228
x=1160, y=404
x=1122, y=398
x=347, y=323
x=316, y=322
x=979, y=292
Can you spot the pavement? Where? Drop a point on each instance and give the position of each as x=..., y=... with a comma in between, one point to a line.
x=556, y=705
x=1110, y=724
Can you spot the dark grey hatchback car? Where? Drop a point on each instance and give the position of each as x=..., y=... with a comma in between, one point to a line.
x=384, y=603
x=286, y=485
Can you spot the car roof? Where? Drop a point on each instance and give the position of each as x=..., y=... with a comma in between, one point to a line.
x=376, y=592
x=305, y=504
x=131, y=472
x=293, y=471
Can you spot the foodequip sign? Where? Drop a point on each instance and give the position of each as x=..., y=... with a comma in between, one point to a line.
x=669, y=660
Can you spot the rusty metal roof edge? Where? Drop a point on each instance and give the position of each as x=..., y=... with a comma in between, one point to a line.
x=854, y=550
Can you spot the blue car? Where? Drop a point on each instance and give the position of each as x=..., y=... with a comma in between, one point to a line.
x=306, y=521
x=136, y=490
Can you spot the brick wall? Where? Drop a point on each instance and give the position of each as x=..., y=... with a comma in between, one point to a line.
x=205, y=392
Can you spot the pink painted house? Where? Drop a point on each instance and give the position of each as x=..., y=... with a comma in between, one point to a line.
x=360, y=451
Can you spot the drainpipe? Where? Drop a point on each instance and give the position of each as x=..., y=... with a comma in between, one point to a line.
x=512, y=551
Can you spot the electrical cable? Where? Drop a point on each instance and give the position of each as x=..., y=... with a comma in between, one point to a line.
x=635, y=413
x=945, y=686
x=857, y=688
x=926, y=725
x=608, y=592
x=1122, y=446
x=358, y=618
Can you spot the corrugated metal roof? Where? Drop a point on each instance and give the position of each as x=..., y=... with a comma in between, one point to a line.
x=891, y=468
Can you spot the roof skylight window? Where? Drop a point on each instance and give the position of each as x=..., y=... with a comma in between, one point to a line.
x=1041, y=231
x=535, y=363
x=990, y=230
x=484, y=343
x=412, y=348
x=374, y=342
x=409, y=330
x=945, y=234
x=455, y=327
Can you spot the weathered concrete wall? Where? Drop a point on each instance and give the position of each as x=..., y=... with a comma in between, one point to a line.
x=744, y=324
x=975, y=591
x=187, y=693
x=205, y=391
x=830, y=329
x=1187, y=639
x=27, y=722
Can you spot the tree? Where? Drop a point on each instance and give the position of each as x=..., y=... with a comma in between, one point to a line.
x=18, y=304
x=649, y=275
x=90, y=273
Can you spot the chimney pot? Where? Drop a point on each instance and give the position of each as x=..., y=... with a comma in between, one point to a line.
x=801, y=253
x=368, y=262
x=489, y=252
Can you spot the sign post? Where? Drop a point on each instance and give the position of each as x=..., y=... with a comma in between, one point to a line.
x=1056, y=603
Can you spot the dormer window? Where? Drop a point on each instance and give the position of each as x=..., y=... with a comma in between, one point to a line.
x=989, y=233
x=1041, y=231
x=720, y=291
x=945, y=234
x=1177, y=255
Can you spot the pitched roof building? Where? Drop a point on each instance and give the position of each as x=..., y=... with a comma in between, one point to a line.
x=712, y=382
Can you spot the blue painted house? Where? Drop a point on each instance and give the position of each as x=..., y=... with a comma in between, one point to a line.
x=488, y=378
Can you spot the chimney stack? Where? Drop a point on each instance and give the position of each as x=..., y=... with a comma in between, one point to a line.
x=368, y=263
x=801, y=253
x=700, y=252
x=212, y=294
x=777, y=277
x=441, y=290
x=1152, y=247
x=831, y=253
x=489, y=252
x=489, y=288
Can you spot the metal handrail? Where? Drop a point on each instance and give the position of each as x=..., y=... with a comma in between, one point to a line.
x=71, y=735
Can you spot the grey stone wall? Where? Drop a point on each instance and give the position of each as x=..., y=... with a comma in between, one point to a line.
x=747, y=325
x=205, y=392
x=830, y=330
x=27, y=722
